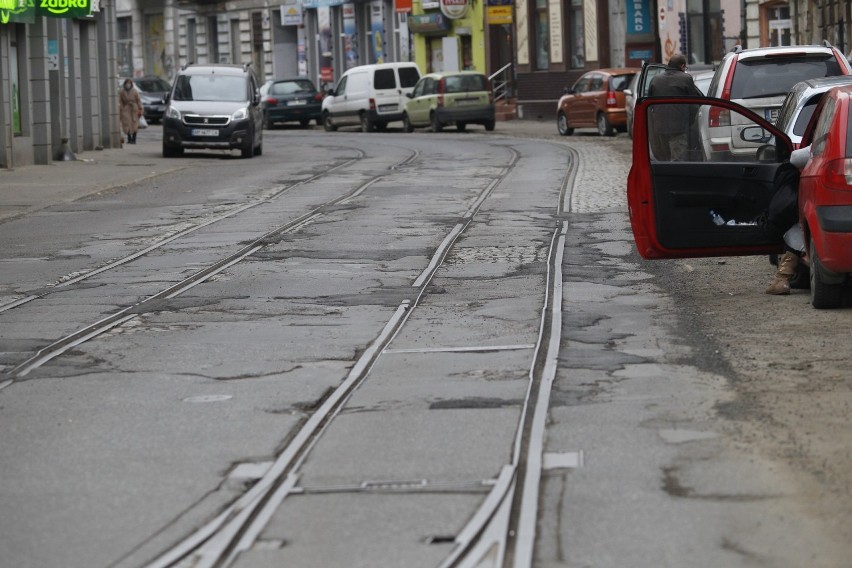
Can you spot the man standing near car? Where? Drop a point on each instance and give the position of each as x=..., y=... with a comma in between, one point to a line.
x=671, y=123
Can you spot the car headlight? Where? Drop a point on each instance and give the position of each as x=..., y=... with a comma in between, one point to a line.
x=172, y=112
x=240, y=114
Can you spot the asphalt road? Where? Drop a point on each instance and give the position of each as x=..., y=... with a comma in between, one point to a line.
x=343, y=348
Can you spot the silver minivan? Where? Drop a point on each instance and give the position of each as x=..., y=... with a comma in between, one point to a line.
x=370, y=96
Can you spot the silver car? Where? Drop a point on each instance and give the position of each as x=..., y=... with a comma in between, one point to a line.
x=801, y=101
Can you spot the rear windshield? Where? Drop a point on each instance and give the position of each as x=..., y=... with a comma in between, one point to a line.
x=408, y=77
x=291, y=87
x=152, y=85
x=773, y=77
x=211, y=88
x=619, y=82
x=464, y=83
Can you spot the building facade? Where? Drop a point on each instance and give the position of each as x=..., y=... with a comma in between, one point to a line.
x=58, y=82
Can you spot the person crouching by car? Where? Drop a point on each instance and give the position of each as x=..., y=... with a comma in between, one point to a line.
x=130, y=109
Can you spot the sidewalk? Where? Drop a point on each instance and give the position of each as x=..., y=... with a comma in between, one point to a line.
x=32, y=188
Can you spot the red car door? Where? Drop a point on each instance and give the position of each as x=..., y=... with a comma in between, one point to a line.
x=686, y=198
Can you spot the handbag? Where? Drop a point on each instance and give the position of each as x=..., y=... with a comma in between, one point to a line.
x=142, y=122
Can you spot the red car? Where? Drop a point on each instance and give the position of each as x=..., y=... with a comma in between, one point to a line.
x=697, y=203
x=596, y=100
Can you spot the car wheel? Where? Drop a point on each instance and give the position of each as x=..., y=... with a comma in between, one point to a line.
x=436, y=124
x=366, y=124
x=327, y=123
x=406, y=123
x=170, y=151
x=562, y=125
x=604, y=127
x=381, y=126
x=258, y=151
x=823, y=294
x=461, y=126
x=247, y=151
x=268, y=124
x=489, y=125
x=305, y=122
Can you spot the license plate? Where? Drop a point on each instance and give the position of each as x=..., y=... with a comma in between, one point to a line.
x=205, y=132
x=467, y=102
x=385, y=108
x=296, y=103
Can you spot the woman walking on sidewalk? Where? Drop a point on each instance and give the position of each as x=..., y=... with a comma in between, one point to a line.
x=130, y=109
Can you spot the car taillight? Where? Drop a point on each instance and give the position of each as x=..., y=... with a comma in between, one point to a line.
x=271, y=101
x=442, y=84
x=719, y=117
x=372, y=104
x=610, y=99
x=838, y=174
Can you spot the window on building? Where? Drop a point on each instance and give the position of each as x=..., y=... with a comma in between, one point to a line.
x=576, y=34
x=542, y=35
x=779, y=25
x=236, y=44
x=212, y=40
x=191, y=39
x=124, y=31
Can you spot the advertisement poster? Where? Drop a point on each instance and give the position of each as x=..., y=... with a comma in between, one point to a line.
x=350, y=37
x=377, y=25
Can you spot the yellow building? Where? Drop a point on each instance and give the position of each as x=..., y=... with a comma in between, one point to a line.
x=448, y=35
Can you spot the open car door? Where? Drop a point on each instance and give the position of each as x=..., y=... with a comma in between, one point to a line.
x=649, y=71
x=690, y=193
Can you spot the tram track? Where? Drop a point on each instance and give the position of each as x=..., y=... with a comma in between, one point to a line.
x=505, y=521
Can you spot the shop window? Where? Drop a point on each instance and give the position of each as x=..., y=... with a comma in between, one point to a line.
x=467, y=53
x=542, y=35
x=576, y=34
x=15, y=82
x=124, y=30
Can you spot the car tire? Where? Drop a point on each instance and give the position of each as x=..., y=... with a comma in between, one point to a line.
x=824, y=296
x=247, y=151
x=268, y=124
x=436, y=124
x=366, y=124
x=380, y=126
x=406, y=123
x=327, y=124
x=258, y=151
x=562, y=125
x=305, y=122
x=489, y=125
x=461, y=126
x=604, y=127
x=170, y=151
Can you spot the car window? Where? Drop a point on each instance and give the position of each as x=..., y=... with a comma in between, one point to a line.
x=703, y=84
x=384, y=79
x=464, y=83
x=210, y=88
x=619, y=82
x=429, y=87
x=291, y=87
x=755, y=78
x=596, y=83
x=341, y=86
x=152, y=85
x=408, y=76
x=677, y=132
x=418, y=88
x=582, y=85
x=806, y=114
x=823, y=128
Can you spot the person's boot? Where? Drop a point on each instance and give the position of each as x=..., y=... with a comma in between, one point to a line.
x=133, y=138
x=786, y=269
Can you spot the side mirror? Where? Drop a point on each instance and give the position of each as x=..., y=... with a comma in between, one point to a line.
x=628, y=93
x=330, y=93
x=755, y=134
x=799, y=158
x=409, y=95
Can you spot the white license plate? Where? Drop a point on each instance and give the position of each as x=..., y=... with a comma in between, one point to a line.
x=296, y=103
x=467, y=102
x=205, y=132
x=385, y=108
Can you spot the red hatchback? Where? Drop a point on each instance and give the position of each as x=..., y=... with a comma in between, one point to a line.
x=596, y=100
x=699, y=203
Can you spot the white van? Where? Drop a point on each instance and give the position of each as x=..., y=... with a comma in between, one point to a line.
x=370, y=96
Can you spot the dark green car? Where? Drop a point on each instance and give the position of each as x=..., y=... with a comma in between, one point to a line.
x=442, y=99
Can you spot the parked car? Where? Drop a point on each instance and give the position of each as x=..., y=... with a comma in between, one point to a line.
x=714, y=207
x=293, y=99
x=799, y=105
x=214, y=106
x=759, y=79
x=369, y=96
x=152, y=91
x=596, y=100
x=441, y=99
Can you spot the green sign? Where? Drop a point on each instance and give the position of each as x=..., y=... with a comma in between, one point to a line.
x=17, y=12
x=65, y=8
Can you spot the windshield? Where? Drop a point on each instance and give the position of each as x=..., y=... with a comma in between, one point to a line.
x=291, y=87
x=152, y=85
x=464, y=83
x=210, y=88
x=756, y=78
